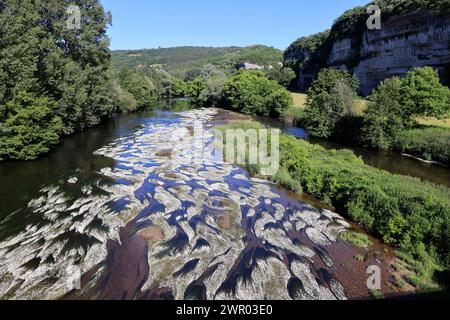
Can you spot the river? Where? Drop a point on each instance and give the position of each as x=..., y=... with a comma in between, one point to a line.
x=122, y=212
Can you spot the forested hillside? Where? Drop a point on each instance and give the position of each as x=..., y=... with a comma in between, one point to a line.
x=187, y=62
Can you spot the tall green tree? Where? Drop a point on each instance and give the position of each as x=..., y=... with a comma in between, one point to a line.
x=67, y=70
x=206, y=89
x=250, y=92
x=282, y=75
x=384, y=117
x=330, y=98
x=396, y=104
x=139, y=86
x=423, y=95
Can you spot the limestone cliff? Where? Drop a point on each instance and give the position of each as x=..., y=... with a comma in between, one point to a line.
x=413, y=39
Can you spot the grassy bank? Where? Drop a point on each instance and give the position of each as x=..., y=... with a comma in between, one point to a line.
x=403, y=211
x=430, y=141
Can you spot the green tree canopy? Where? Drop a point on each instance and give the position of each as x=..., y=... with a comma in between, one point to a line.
x=330, y=98
x=66, y=70
x=252, y=93
x=282, y=75
x=383, y=119
x=423, y=95
x=396, y=104
x=206, y=89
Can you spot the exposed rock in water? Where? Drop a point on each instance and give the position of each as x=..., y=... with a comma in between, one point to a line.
x=178, y=228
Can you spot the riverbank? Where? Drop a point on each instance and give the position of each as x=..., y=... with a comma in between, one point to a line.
x=139, y=220
x=391, y=162
x=403, y=211
x=429, y=141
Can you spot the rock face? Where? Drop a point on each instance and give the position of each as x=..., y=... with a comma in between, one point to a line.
x=415, y=39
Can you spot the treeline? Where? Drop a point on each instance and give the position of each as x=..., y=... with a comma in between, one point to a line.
x=249, y=92
x=53, y=80
x=56, y=80
x=390, y=120
x=403, y=211
x=187, y=62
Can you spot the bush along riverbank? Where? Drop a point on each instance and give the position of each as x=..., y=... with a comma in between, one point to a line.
x=405, y=212
x=431, y=144
x=389, y=121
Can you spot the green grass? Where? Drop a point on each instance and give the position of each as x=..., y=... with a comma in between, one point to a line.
x=377, y=295
x=299, y=100
x=356, y=238
x=444, y=123
x=293, y=115
x=400, y=283
x=420, y=269
x=284, y=179
x=430, y=143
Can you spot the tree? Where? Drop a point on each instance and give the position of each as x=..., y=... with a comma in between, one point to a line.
x=383, y=118
x=179, y=88
x=139, y=86
x=423, y=95
x=396, y=104
x=125, y=100
x=250, y=92
x=282, y=75
x=67, y=70
x=31, y=127
x=206, y=90
x=330, y=98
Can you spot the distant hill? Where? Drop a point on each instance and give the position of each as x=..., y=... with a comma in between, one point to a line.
x=186, y=62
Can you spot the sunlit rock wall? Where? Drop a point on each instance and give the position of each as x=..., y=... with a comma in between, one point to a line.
x=404, y=42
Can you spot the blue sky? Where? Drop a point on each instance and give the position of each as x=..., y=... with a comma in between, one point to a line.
x=141, y=24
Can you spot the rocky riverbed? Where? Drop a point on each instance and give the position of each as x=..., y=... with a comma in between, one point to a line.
x=158, y=225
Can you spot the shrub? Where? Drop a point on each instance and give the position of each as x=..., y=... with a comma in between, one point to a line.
x=284, y=178
x=427, y=143
x=403, y=211
x=31, y=128
x=357, y=239
x=397, y=208
x=250, y=92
